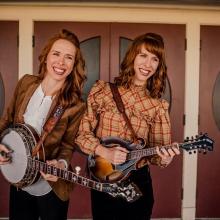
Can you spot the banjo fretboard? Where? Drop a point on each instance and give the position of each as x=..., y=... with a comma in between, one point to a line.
x=67, y=175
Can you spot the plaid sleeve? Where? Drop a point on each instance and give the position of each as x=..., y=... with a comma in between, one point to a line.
x=160, y=132
x=85, y=138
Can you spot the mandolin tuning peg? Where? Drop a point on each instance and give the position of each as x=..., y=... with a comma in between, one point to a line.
x=204, y=152
x=77, y=169
x=194, y=151
x=192, y=138
x=190, y=152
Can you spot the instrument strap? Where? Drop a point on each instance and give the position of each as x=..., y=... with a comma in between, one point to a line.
x=120, y=105
x=51, y=122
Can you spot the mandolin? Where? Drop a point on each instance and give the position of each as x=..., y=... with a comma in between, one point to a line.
x=104, y=171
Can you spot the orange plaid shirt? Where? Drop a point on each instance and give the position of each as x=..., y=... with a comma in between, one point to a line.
x=149, y=118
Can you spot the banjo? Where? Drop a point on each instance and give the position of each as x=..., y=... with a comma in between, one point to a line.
x=23, y=171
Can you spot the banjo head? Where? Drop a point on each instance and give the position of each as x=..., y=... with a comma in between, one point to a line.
x=21, y=139
x=15, y=171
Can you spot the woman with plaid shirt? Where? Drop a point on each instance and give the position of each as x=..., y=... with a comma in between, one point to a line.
x=141, y=83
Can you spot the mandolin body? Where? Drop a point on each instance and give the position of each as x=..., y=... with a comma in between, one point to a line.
x=104, y=171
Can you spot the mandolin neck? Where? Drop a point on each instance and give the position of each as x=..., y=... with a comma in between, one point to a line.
x=137, y=154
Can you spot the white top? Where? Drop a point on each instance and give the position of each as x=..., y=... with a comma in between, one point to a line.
x=35, y=115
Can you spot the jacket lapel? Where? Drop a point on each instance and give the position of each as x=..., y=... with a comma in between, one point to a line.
x=27, y=97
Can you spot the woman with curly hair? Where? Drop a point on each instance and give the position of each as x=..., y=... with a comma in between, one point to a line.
x=59, y=82
x=141, y=82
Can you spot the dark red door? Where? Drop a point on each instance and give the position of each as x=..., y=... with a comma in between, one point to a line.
x=8, y=81
x=208, y=180
x=114, y=39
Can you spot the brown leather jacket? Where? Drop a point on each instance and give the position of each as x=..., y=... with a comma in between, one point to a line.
x=59, y=144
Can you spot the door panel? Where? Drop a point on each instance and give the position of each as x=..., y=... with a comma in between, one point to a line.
x=175, y=57
x=112, y=47
x=91, y=47
x=8, y=81
x=208, y=180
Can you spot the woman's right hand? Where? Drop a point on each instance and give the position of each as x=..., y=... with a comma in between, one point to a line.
x=3, y=159
x=115, y=155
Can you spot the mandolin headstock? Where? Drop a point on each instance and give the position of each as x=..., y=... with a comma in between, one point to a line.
x=201, y=142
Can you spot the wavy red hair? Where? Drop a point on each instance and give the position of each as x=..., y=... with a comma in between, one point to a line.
x=71, y=92
x=154, y=44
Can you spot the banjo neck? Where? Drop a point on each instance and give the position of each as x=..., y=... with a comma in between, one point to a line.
x=68, y=175
x=128, y=192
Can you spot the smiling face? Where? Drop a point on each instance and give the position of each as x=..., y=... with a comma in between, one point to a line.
x=145, y=65
x=60, y=60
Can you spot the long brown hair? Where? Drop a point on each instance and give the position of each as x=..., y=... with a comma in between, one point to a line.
x=154, y=44
x=71, y=92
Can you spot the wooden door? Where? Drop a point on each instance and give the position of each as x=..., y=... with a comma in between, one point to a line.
x=8, y=81
x=115, y=38
x=208, y=180
x=167, y=189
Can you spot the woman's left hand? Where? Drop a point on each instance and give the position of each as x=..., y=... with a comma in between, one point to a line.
x=168, y=154
x=55, y=163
